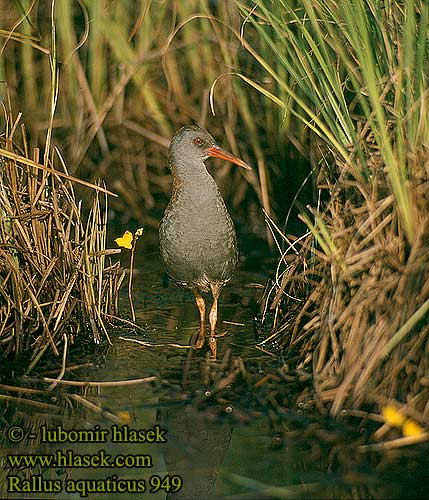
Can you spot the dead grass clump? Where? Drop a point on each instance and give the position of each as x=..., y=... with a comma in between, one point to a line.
x=373, y=332
x=54, y=282
x=362, y=322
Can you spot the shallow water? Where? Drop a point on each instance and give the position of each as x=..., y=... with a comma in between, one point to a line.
x=217, y=446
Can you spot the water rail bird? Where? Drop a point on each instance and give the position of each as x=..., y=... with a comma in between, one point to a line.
x=197, y=238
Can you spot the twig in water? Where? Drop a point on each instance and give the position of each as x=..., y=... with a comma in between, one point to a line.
x=113, y=383
x=96, y=409
x=395, y=443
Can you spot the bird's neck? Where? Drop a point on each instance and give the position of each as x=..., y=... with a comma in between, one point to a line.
x=192, y=180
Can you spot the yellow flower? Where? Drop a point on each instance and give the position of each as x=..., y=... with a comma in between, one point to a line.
x=392, y=416
x=125, y=240
x=139, y=232
x=412, y=428
x=124, y=416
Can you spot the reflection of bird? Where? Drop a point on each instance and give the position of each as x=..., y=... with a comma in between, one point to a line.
x=195, y=449
x=196, y=235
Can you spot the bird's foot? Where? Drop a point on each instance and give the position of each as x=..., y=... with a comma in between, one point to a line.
x=198, y=344
x=219, y=335
x=200, y=341
x=213, y=346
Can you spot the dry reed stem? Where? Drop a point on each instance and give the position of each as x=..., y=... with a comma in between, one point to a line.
x=112, y=383
x=96, y=409
x=151, y=344
x=394, y=443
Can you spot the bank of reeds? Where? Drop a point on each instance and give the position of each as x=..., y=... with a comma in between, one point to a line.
x=56, y=283
x=358, y=78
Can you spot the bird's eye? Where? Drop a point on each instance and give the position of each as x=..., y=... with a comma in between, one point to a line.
x=198, y=141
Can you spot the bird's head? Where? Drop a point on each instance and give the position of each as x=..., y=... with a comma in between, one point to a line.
x=192, y=144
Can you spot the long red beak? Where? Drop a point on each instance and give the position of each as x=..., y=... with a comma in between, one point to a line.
x=218, y=152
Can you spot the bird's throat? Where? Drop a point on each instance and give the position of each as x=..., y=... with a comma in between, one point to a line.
x=196, y=186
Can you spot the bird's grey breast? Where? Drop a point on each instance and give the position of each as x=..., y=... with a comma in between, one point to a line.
x=197, y=237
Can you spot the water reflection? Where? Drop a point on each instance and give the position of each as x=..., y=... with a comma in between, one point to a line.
x=195, y=450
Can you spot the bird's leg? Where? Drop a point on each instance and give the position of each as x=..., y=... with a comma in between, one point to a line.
x=202, y=308
x=215, y=287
